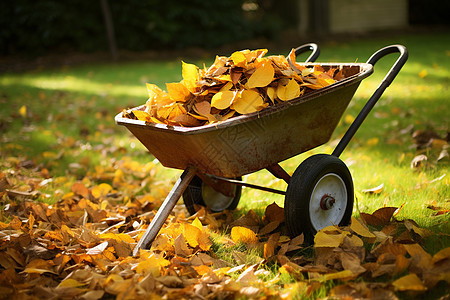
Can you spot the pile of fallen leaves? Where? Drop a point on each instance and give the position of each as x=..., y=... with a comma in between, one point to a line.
x=243, y=83
x=81, y=247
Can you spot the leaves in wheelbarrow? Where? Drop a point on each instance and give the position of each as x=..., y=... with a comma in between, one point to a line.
x=244, y=83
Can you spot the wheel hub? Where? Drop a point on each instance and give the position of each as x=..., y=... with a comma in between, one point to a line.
x=327, y=202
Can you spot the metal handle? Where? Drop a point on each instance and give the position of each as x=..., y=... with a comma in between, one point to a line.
x=395, y=69
x=308, y=47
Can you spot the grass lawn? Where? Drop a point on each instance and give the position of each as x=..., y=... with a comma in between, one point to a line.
x=62, y=120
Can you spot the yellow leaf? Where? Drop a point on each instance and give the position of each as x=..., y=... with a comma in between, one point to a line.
x=409, y=283
x=348, y=119
x=423, y=73
x=152, y=264
x=325, y=81
x=142, y=115
x=178, y=91
x=262, y=77
x=372, y=141
x=190, y=76
x=323, y=239
x=189, y=72
x=243, y=235
x=37, y=271
x=339, y=275
x=289, y=91
x=118, y=237
x=65, y=228
x=197, y=223
x=154, y=92
x=101, y=190
x=360, y=229
x=239, y=59
x=202, y=269
x=443, y=254
x=249, y=101
x=271, y=92
x=191, y=234
x=23, y=111
x=39, y=266
x=70, y=282
x=223, y=100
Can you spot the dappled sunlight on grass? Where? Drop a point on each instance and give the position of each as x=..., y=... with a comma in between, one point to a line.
x=78, y=85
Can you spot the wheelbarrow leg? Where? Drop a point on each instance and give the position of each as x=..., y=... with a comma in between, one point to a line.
x=165, y=209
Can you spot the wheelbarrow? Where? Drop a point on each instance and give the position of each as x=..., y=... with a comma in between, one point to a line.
x=214, y=157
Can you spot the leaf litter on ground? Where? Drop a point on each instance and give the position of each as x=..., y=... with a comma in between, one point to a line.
x=81, y=247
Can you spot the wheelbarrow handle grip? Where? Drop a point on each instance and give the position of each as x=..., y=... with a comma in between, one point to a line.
x=308, y=47
x=395, y=69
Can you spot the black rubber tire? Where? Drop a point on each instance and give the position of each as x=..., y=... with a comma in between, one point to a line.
x=302, y=190
x=193, y=195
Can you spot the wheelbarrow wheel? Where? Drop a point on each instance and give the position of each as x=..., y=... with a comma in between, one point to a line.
x=200, y=193
x=320, y=193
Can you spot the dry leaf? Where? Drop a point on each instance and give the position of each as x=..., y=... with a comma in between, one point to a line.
x=380, y=217
x=323, y=239
x=360, y=229
x=274, y=213
x=243, y=235
x=409, y=282
x=375, y=190
x=270, y=245
x=262, y=77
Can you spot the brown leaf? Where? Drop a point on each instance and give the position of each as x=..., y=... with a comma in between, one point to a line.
x=420, y=259
x=248, y=276
x=79, y=188
x=274, y=213
x=4, y=182
x=401, y=264
x=441, y=255
x=350, y=261
x=269, y=228
x=180, y=246
x=270, y=245
x=380, y=217
x=387, y=246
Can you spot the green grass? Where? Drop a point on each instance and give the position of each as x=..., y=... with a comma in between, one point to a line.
x=70, y=120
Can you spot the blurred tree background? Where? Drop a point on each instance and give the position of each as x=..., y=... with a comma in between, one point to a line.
x=39, y=27
x=36, y=27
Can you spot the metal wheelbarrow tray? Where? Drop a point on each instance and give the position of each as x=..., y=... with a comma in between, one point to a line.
x=217, y=155
x=248, y=143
